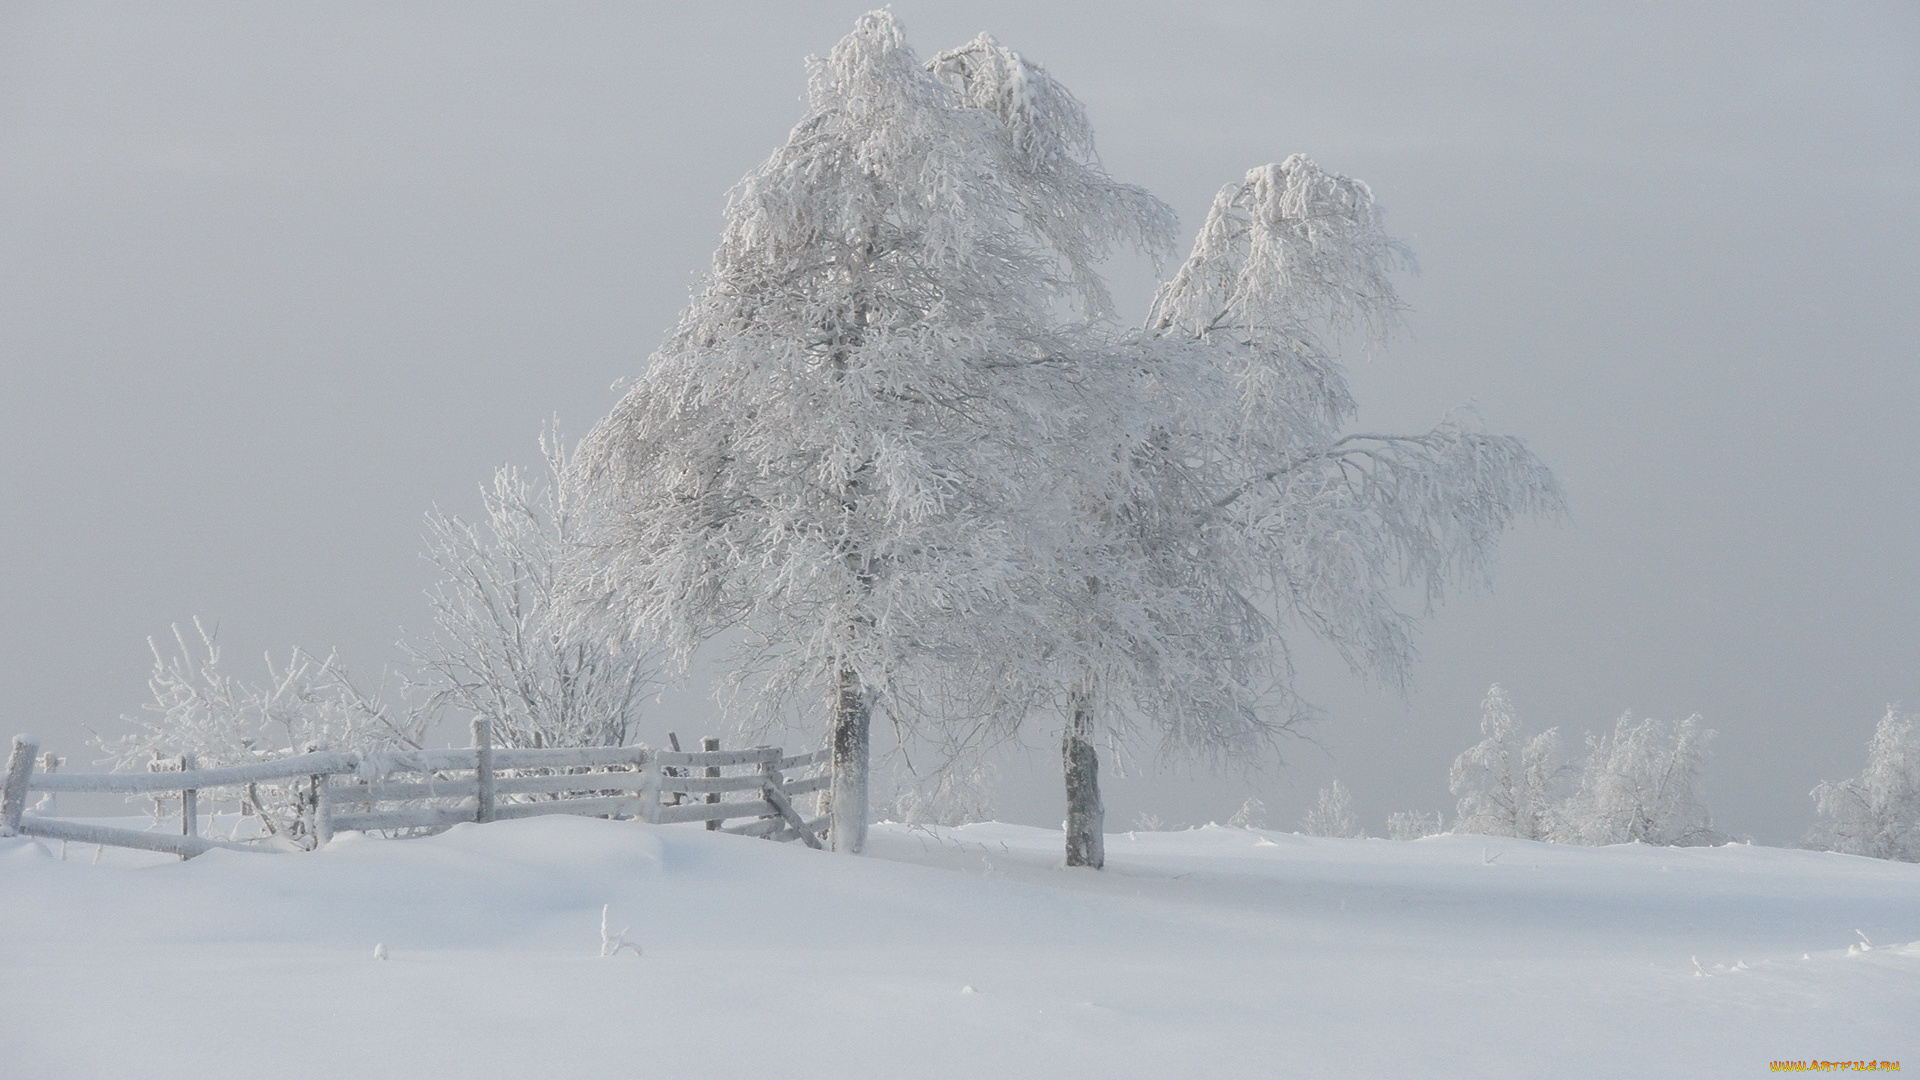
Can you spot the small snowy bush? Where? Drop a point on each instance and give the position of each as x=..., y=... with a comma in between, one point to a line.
x=1332, y=815
x=957, y=794
x=1877, y=813
x=1412, y=825
x=1251, y=815
x=1641, y=782
x=1507, y=784
x=306, y=703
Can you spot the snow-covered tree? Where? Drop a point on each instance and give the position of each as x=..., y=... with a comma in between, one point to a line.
x=1641, y=783
x=504, y=643
x=1507, y=784
x=1877, y=813
x=886, y=453
x=1223, y=508
x=837, y=453
x=1324, y=524
x=1332, y=814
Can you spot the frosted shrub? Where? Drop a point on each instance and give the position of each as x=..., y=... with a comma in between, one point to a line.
x=504, y=645
x=1332, y=815
x=1507, y=784
x=307, y=702
x=1251, y=815
x=1412, y=825
x=1641, y=782
x=957, y=794
x=1877, y=813
x=499, y=649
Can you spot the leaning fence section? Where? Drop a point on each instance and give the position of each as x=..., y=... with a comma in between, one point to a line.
x=751, y=792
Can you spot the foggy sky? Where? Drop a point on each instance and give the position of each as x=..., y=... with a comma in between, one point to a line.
x=274, y=279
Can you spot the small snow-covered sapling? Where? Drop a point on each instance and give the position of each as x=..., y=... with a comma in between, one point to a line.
x=610, y=943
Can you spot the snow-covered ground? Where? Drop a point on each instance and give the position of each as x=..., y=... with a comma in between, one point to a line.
x=1215, y=952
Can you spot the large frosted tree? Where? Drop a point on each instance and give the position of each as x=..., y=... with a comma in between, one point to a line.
x=892, y=451
x=1877, y=812
x=839, y=455
x=1227, y=507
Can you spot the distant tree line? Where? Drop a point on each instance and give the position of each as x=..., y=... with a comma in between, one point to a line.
x=1641, y=783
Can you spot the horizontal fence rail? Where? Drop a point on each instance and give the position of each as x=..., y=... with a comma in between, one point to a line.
x=344, y=791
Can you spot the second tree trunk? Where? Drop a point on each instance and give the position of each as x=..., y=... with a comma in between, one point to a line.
x=1086, y=818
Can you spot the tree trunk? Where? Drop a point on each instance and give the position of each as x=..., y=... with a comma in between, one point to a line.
x=1086, y=818
x=849, y=736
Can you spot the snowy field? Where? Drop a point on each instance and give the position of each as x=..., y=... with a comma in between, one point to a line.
x=953, y=953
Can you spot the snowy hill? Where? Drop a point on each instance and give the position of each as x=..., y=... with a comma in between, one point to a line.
x=954, y=953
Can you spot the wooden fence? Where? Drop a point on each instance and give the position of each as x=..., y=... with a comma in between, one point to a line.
x=345, y=791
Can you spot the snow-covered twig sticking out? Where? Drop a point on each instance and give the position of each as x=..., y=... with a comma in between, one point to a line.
x=611, y=943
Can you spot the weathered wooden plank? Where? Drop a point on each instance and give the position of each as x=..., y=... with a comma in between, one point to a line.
x=762, y=827
x=790, y=815
x=668, y=815
x=703, y=784
x=137, y=783
x=795, y=788
x=360, y=794
x=77, y=832
x=777, y=828
x=593, y=781
x=695, y=758
x=417, y=818
x=350, y=794
x=802, y=761
x=569, y=757
x=528, y=757
x=606, y=806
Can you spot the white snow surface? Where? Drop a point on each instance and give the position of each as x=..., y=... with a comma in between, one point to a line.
x=964, y=952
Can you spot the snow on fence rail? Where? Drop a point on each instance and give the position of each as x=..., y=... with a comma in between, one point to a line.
x=345, y=790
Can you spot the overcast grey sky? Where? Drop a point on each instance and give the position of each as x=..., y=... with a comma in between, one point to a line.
x=276, y=278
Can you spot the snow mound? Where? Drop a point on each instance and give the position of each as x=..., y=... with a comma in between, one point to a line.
x=955, y=953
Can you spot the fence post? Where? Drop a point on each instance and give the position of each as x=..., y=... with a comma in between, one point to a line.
x=189, y=801
x=322, y=808
x=13, y=797
x=49, y=803
x=776, y=795
x=712, y=770
x=650, y=791
x=483, y=768
x=673, y=743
